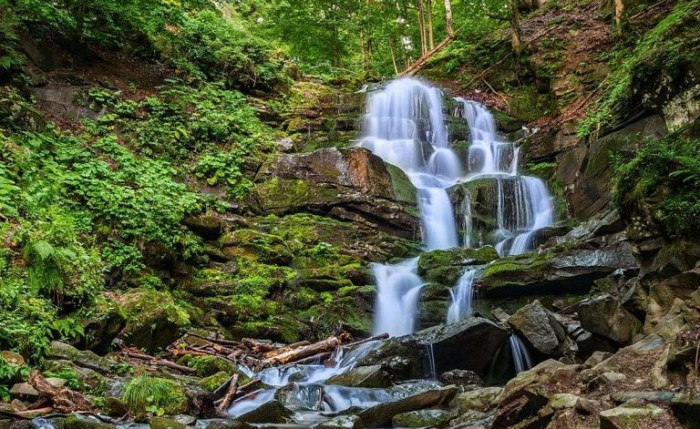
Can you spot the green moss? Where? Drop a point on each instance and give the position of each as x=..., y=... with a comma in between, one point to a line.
x=148, y=394
x=403, y=188
x=208, y=365
x=212, y=382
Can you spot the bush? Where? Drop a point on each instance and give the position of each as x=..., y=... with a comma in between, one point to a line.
x=155, y=395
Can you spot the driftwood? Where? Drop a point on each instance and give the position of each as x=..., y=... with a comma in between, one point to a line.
x=63, y=399
x=312, y=359
x=27, y=414
x=304, y=352
x=160, y=362
x=230, y=394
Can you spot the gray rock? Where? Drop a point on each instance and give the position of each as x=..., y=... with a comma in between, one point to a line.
x=632, y=416
x=540, y=329
x=478, y=400
x=269, y=412
x=461, y=377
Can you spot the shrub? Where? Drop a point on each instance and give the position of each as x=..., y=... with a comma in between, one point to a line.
x=155, y=395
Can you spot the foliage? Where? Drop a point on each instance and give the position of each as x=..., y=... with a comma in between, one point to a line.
x=667, y=173
x=153, y=394
x=8, y=372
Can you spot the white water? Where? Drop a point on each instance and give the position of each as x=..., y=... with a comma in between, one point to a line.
x=462, y=297
x=521, y=357
x=524, y=205
x=398, y=291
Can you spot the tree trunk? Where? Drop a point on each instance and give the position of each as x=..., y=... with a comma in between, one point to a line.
x=448, y=18
x=431, y=36
x=393, y=57
x=515, y=32
x=619, y=13
x=421, y=25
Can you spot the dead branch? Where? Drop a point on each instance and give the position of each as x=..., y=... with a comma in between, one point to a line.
x=160, y=362
x=304, y=352
x=232, y=390
x=64, y=400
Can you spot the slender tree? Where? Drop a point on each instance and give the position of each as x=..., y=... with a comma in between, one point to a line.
x=448, y=19
x=515, y=31
x=429, y=14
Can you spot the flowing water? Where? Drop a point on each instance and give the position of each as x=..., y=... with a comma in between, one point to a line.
x=521, y=357
x=398, y=292
x=462, y=297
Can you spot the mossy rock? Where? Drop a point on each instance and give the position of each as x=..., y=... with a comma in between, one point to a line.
x=79, y=422
x=206, y=366
x=164, y=423
x=86, y=379
x=102, y=326
x=256, y=245
x=212, y=382
x=446, y=266
x=422, y=419
x=154, y=319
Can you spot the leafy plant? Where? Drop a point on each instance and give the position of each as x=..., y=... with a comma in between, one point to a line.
x=152, y=394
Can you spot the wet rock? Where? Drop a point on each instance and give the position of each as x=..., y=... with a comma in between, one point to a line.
x=341, y=422
x=478, y=400
x=80, y=422
x=604, y=315
x=154, y=320
x=114, y=407
x=541, y=329
x=379, y=415
x=559, y=270
x=349, y=184
x=364, y=376
x=446, y=266
x=269, y=412
x=206, y=226
x=460, y=377
x=422, y=419
x=633, y=416
x=85, y=359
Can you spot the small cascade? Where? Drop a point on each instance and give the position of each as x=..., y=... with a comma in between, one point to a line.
x=398, y=291
x=462, y=297
x=432, y=369
x=521, y=357
x=523, y=204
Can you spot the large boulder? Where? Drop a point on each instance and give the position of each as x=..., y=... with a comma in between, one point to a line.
x=558, y=270
x=604, y=315
x=633, y=416
x=81, y=358
x=349, y=184
x=451, y=345
x=101, y=326
x=363, y=376
x=541, y=329
x=154, y=319
x=381, y=414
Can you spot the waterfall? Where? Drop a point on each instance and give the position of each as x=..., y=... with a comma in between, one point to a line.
x=397, y=297
x=521, y=357
x=523, y=203
x=462, y=296
x=405, y=126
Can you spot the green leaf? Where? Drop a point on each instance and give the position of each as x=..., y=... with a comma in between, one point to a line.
x=43, y=248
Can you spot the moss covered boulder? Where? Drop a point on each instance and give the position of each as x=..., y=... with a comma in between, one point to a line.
x=350, y=184
x=154, y=319
x=101, y=326
x=422, y=419
x=445, y=266
x=563, y=269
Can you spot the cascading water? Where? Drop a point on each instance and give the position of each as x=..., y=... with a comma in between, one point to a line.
x=398, y=291
x=462, y=296
x=521, y=357
x=523, y=203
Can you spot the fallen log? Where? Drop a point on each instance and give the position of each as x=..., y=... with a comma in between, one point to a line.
x=232, y=390
x=258, y=346
x=279, y=351
x=27, y=414
x=303, y=352
x=160, y=362
x=383, y=336
x=312, y=359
